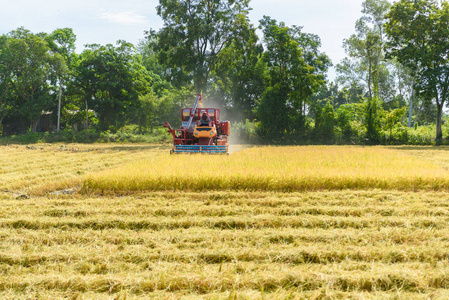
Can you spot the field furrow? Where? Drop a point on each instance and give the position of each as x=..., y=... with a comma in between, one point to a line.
x=210, y=243
x=74, y=225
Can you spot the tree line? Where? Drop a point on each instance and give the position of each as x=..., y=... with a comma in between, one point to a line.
x=273, y=87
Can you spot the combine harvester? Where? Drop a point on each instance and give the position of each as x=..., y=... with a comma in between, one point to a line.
x=201, y=131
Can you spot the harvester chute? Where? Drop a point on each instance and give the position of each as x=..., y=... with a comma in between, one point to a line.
x=201, y=131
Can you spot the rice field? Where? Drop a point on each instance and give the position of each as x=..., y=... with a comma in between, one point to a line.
x=40, y=168
x=82, y=222
x=282, y=169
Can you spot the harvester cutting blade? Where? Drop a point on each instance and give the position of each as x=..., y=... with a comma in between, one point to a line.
x=200, y=149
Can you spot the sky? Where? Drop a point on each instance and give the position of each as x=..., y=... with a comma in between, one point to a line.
x=106, y=21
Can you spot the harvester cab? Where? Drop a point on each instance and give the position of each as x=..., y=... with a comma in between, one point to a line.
x=201, y=131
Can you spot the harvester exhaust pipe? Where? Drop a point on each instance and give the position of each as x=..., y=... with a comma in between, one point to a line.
x=192, y=112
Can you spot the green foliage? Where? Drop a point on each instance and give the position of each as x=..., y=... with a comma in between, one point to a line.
x=171, y=103
x=28, y=69
x=149, y=57
x=367, y=65
x=296, y=71
x=372, y=120
x=339, y=96
x=66, y=135
x=62, y=41
x=392, y=118
x=240, y=82
x=131, y=134
x=111, y=79
x=345, y=116
x=147, y=116
x=74, y=116
x=124, y=135
x=272, y=115
x=273, y=91
x=244, y=133
x=418, y=34
x=193, y=35
x=325, y=121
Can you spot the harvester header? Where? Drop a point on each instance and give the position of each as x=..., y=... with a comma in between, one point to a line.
x=201, y=131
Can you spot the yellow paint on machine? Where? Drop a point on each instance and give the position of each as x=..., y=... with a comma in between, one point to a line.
x=204, y=132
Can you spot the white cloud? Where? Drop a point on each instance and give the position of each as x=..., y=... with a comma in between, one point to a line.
x=125, y=18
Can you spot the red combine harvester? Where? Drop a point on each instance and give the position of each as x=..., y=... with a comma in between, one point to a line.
x=201, y=131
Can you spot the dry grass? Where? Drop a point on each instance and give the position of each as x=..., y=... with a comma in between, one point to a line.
x=373, y=244
x=283, y=169
x=359, y=244
x=48, y=167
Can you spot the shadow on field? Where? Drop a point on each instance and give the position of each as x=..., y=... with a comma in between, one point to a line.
x=137, y=148
x=419, y=148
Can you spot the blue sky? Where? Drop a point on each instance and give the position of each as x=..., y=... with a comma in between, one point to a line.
x=106, y=21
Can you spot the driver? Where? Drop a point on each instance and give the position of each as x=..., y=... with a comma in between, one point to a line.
x=205, y=120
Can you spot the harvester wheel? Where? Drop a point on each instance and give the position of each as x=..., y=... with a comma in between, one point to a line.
x=172, y=151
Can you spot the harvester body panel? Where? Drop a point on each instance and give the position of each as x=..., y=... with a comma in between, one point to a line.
x=205, y=132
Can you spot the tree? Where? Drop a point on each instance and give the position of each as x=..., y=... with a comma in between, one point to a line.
x=296, y=71
x=331, y=91
x=150, y=57
x=372, y=120
x=240, y=75
x=28, y=67
x=418, y=33
x=62, y=41
x=325, y=120
x=111, y=79
x=367, y=65
x=374, y=13
x=5, y=79
x=345, y=116
x=170, y=105
x=392, y=118
x=194, y=34
x=404, y=78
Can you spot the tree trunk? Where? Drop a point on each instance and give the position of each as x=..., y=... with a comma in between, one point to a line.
x=86, y=122
x=417, y=115
x=439, y=138
x=34, y=125
x=369, y=80
x=59, y=106
x=23, y=127
x=410, y=111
